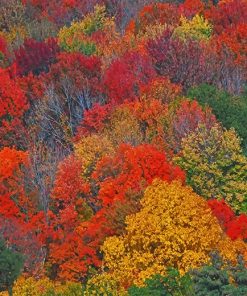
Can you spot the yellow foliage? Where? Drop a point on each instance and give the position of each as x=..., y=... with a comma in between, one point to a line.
x=15, y=36
x=30, y=286
x=104, y=284
x=79, y=36
x=39, y=287
x=90, y=149
x=123, y=127
x=175, y=227
x=215, y=165
x=197, y=29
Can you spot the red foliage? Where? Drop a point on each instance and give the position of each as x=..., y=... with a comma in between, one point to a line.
x=237, y=228
x=14, y=200
x=123, y=79
x=227, y=14
x=191, y=7
x=82, y=71
x=234, y=226
x=13, y=105
x=184, y=63
x=73, y=256
x=3, y=46
x=222, y=211
x=93, y=120
x=162, y=13
x=132, y=168
x=69, y=248
x=68, y=184
x=234, y=39
x=35, y=56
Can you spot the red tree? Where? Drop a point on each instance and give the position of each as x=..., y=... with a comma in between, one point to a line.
x=123, y=79
x=36, y=57
x=184, y=63
x=227, y=14
x=13, y=105
x=234, y=226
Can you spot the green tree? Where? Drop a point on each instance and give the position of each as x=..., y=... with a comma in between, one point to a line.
x=214, y=279
x=173, y=284
x=11, y=264
x=229, y=109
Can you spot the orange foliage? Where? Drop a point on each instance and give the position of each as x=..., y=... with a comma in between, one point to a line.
x=162, y=13
x=191, y=7
x=132, y=168
x=13, y=105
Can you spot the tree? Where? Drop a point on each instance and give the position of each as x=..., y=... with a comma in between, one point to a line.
x=215, y=165
x=196, y=29
x=184, y=63
x=186, y=117
x=172, y=284
x=175, y=227
x=14, y=200
x=220, y=278
x=90, y=35
x=227, y=14
x=10, y=267
x=132, y=168
x=234, y=226
x=190, y=8
x=36, y=57
x=13, y=105
x=230, y=110
x=124, y=77
x=155, y=13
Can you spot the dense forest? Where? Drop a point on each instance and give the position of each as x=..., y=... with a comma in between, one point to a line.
x=123, y=147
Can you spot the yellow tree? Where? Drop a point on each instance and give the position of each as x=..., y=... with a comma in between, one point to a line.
x=215, y=165
x=175, y=227
x=92, y=35
x=197, y=29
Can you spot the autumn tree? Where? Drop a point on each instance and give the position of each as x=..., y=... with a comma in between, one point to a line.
x=91, y=35
x=227, y=14
x=124, y=77
x=36, y=57
x=185, y=119
x=155, y=13
x=175, y=227
x=184, y=63
x=197, y=29
x=215, y=165
x=13, y=107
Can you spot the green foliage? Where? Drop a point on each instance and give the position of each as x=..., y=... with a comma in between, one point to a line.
x=173, y=284
x=219, y=279
x=10, y=267
x=229, y=109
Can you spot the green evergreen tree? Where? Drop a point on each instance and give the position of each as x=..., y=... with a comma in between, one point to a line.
x=173, y=284
x=11, y=264
x=214, y=279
